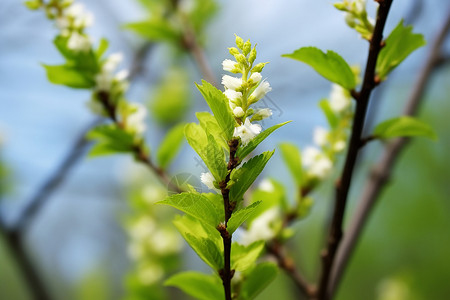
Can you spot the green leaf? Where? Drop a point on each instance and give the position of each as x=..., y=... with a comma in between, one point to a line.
x=172, y=98
x=240, y=216
x=399, y=45
x=247, y=174
x=84, y=62
x=207, y=250
x=218, y=103
x=102, y=47
x=170, y=145
x=403, y=127
x=257, y=280
x=207, y=148
x=208, y=122
x=33, y=4
x=110, y=140
x=291, y=156
x=187, y=224
x=329, y=113
x=156, y=30
x=244, y=151
x=69, y=76
x=201, y=13
x=198, y=285
x=244, y=257
x=196, y=205
x=330, y=65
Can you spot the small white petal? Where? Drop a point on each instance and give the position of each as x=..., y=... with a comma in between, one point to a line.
x=247, y=131
x=208, y=180
x=232, y=95
x=136, y=121
x=263, y=227
x=229, y=65
x=261, y=90
x=267, y=186
x=340, y=98
x=122, y=75
x=231, y=82
x=339, y=146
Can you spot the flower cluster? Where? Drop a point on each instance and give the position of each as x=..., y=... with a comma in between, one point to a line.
x=244, y=91
x=110, y=86
x=318, y=160
x=356, y=17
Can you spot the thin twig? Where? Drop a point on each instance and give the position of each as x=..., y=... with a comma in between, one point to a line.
x=287, y=264
x=343, y=184
x=226, y=273
x=382, y=171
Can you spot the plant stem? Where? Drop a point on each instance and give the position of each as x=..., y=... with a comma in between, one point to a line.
x=343, y=184
x=382, y=171
x=226, y=273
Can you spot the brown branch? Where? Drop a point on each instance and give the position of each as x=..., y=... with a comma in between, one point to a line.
x=382, y=171
x=343, y=184
x=226, y=273
x=287, y=264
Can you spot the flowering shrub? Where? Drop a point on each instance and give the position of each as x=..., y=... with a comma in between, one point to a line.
x=238, y=230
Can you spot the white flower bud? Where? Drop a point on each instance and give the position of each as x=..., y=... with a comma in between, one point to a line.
x=78, y=42
x=122, y=75
x=136, y=121
x=261, y=114
x=264, y=227
x=339, y=146
x=229, y=65
x=256, y=77
x=238, y=112
x=340, y=98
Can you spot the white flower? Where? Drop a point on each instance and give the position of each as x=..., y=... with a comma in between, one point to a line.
x=229, y=65
x=81, y=18
x=261, y=90
x=208, y=180
x=262, y=114
x=122, y=75
x=79, y=42
x=136, y=120
x=112, y=62
x=359, y=5
x=256, y=77
x=247, y=131
x=231, y=82
x=150, y=274
x=233, y=95
x=164, y=241
x=263, y=227
x=103, y=81
x=142, y=229
x=317, y=163
x=238, y=112
x=339, y=146
x=320, y=136
x=340, y=98
x=266, y=185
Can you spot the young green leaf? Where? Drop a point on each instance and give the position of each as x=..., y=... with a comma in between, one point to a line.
x=111, y=139
x=257, y=280
x=187, y=224
x=206, y=249
x=85, y=62
x=403, y=127
x=170, y=145
x=399, y=44
x=329, y=113
x=244, y=151
x=208, y=122
x=201, y=13
x=156, y=30
x=102, y=47
x=207, y=148
x=240, y=216
x=291, y=156
x=244, y=257
x=196, y=205
x=69, y=76
x=330, y=65
x=218, y=103
x=198, y=285
x=247, y=174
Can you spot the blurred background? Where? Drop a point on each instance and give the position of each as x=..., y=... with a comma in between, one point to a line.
x=78, y=240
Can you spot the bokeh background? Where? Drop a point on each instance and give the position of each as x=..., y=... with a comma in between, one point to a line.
x=78, y=241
